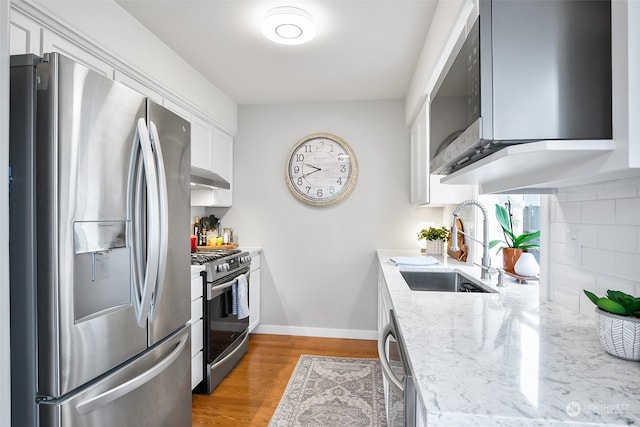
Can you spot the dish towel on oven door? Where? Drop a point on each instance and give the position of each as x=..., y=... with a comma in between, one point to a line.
x=240, y=291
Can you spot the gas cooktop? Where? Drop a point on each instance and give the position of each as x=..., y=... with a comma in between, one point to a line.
x=204, y=257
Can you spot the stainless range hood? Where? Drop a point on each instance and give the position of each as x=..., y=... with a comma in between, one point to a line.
x=205, y=179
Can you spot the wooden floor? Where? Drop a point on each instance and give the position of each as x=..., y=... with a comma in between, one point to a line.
x=249, y=395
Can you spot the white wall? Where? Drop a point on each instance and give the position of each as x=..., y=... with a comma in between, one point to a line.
x=595, y=242
x=319, y=265
x=5, y=366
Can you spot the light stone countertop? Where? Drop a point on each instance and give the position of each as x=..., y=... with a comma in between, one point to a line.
x=507, y=359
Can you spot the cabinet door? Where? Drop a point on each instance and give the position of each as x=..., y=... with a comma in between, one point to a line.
x=201, y=144
x=383, y=320
x=52, y=42
x=254, y=293
x=24, y=34
x=426, y=189
x=134, y=84
x=421, y=417
x=222, y=158
x=420, y=159
x=179, y=110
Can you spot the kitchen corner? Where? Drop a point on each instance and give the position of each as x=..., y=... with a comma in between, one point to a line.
x=507, y=357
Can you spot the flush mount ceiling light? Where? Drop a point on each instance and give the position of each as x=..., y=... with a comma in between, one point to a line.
x=288, y=25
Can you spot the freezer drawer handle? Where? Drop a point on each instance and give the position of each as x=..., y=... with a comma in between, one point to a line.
x=109, y=396
x=384, y=362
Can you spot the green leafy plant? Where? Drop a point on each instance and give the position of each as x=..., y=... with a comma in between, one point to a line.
x=616, y=302
x=523, y=241
x=433, y=233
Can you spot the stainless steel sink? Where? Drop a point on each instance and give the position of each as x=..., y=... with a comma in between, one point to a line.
x=443, y=281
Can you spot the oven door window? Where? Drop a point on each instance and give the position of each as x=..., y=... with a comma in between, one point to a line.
x=224, y=327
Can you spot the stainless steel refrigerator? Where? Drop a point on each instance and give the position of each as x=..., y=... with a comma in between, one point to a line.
x=99, y=251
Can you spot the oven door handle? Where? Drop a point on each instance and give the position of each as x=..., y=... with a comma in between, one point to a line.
x=214, y=289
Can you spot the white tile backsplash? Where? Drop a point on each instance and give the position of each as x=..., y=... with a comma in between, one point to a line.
x=568, y=212
x=566, y=297
x=627, y=266
x=604, y=283
x=599, y=212
x=587, y=194
x=616, y=237
x=628, y=211
x=598, y=260
x=595, y=242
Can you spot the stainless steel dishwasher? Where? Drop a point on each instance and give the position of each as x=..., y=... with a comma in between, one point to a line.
x=400, y=398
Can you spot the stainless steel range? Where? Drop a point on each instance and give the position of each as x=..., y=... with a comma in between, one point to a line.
x=226, y=312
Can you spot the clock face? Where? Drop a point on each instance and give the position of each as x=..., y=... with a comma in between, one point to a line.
x=321, y=169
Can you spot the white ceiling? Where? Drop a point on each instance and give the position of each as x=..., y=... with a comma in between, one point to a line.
x=364, y=49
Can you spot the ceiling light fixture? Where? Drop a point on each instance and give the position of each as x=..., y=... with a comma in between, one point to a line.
x=288, y=25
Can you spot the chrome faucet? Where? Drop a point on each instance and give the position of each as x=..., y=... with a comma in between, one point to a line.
x=487, y=270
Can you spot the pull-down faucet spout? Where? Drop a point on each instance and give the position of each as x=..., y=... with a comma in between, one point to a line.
x=486, y=260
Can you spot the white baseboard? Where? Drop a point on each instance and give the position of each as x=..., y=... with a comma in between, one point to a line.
x=316, y=332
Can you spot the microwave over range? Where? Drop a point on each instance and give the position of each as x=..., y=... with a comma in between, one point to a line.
x=524, y=71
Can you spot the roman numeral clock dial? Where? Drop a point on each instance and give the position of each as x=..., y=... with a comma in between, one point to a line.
x=321, y=170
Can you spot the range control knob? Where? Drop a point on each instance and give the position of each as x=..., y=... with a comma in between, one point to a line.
x=245, y=259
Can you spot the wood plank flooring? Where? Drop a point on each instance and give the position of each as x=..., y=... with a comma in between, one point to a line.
x=249, y=395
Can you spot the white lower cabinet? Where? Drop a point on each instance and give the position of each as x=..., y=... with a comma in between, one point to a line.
x=197, y=325
x=383, y=320
x=384, y=305
x=421, y=413
x=254, y=291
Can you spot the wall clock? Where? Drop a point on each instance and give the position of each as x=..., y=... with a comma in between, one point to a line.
x=321, y=169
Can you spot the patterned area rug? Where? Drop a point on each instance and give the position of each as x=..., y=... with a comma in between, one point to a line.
x=332, y=391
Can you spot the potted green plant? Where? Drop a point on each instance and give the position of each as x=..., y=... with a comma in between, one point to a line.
x=512, y=246
x=434, y=239
x=618, y=323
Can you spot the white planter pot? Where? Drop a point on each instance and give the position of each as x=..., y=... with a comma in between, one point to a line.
x=619, y=335
x=527, y=265
x=435, y=247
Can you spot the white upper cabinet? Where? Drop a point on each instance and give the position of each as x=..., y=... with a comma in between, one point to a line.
x=52, y=42
x=221, y=161
x=179, y=110
x=420, y=159
x=24, y=34
x=201, y=144
x=32, y=30
x=212, y=149
x=541, y=166
x=223, y=155
x=138, y=86
x=426, y=189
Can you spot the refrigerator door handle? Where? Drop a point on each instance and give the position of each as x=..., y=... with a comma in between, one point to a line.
x=164, y=217
x=143, y=294
x=105, y=398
